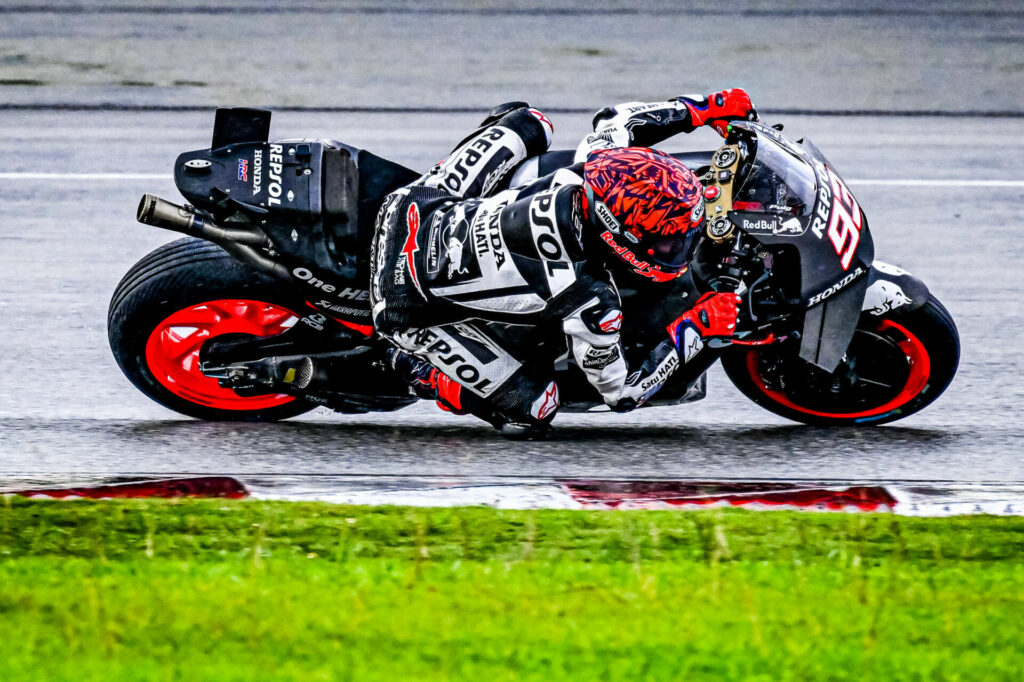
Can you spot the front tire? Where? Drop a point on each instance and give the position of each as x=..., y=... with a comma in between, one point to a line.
x=170, y=303
x=896, y=365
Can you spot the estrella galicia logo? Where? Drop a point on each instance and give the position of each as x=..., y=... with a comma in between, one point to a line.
x=243, y=170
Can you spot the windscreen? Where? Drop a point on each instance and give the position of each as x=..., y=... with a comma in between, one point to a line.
x=778, y=182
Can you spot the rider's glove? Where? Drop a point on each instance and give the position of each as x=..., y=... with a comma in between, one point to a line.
x=714, y=314
x=718, y=109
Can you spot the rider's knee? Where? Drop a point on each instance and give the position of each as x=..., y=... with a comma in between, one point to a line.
x=531, y=125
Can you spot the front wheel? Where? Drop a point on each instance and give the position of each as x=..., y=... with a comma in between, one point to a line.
x=895, y=366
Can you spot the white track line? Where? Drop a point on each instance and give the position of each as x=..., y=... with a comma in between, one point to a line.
x=85, y=176
x=894, y=182
x=937, y=183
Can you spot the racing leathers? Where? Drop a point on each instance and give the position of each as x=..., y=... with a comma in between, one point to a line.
x=458, y=250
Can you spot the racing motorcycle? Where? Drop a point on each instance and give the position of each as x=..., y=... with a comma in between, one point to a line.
x=262, y=311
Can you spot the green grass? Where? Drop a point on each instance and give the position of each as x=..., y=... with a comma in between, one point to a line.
x=213, y=590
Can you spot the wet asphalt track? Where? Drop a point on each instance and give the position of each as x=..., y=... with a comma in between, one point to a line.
x=67, y=236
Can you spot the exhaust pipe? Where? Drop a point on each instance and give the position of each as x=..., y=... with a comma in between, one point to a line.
x=161, y=213
x=239, y=243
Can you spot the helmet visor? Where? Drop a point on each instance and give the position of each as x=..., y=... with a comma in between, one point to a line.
x=674, y=252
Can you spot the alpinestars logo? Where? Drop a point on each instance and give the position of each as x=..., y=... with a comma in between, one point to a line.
x=693, y=346
x=611, y=322
x=545, y=122
x=546, y=403
x=412, y=219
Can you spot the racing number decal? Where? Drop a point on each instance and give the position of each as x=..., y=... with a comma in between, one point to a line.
x=844, y=226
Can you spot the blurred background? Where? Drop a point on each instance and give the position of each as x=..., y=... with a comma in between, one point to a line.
x=793, y=54
x=918, y=104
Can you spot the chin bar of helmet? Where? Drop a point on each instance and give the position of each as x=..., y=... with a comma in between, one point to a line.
x=243, y=244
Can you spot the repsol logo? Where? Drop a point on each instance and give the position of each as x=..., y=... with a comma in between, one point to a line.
x=557, y=268
x=454, y=363
x=824, y=200
x=835, y=288
x=276, y=170
x=542, y=218
x=457, y=170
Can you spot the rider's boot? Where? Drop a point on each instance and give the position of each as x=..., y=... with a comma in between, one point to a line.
x=430, y=383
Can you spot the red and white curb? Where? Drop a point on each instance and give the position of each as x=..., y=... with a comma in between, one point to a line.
x=916, y=500
x=194, y=486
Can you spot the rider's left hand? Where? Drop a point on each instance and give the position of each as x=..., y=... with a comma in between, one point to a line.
x=721, y=108
x=714, y=314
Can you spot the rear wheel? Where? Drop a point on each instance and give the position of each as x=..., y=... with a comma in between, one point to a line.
x=895, y=366
x=176, y=298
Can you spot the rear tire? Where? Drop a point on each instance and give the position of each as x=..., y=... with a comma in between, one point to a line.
x=896, y=365
x=174, y=299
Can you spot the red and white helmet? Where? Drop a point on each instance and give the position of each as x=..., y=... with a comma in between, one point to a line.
x=649, y=207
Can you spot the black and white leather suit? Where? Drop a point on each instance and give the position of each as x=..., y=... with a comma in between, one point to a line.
x=458, y=248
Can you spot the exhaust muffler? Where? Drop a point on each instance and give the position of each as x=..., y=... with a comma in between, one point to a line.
x=161, y=213
x=239, y=243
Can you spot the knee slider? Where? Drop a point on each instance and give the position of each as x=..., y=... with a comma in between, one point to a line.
x=504, y=108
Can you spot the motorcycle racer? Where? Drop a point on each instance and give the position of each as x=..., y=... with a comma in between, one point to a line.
x=458, y=250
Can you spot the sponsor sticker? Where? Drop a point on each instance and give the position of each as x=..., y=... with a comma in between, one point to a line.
x=772, y=225
x=546, y=238
x=276, y=171
x=883, y=296
x=835, y=288
x=760, y=226
x=640, y=266
x=660, y=374
x=604, y=214
x=453, y=250
x=257, y=171
x=697, y=212
x=599, y=357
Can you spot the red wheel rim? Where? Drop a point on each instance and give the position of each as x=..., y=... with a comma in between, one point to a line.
x=917, y=359
x=172, y=351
